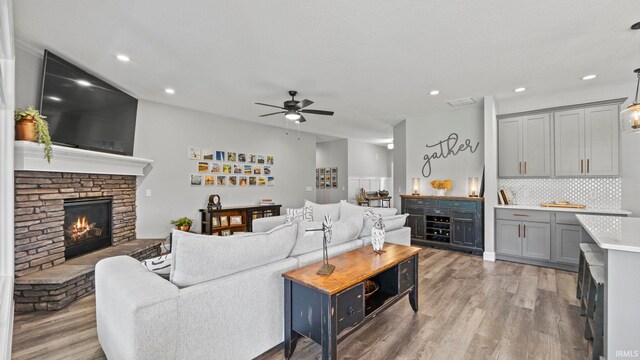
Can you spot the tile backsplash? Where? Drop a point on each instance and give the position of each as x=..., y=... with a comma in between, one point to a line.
x=595, y=193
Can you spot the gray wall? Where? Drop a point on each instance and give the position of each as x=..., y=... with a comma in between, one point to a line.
x=164, y=133
x=29, y=78
x=468, y=123
x=368, y=160
x=328, y=155
x=400, y=162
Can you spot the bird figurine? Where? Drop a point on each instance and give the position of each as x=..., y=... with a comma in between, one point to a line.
x=377, y=232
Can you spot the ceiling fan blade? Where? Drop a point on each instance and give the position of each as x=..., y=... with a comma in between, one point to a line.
x=304, y=103
x=277, y=107
x=317, y=112
x=302, y=119
x=279, y=112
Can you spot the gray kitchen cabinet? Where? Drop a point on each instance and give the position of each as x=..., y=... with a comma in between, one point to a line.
x=587, y=141
x=567, y=241
x=524, y=146
x=536, y=240
x=569, y=142
x=601, y=141
x=508, y=241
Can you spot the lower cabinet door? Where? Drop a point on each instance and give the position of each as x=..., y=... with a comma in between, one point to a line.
x=463, y=233
x=416, y=222
x=350, y=307
x=568, y=243
x=508, y=241
x=536, y=240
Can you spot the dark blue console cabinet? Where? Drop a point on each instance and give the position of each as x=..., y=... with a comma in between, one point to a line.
x=445, y=221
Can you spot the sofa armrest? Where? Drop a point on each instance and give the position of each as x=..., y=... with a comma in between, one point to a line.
x=267, y=223
x=136, y=311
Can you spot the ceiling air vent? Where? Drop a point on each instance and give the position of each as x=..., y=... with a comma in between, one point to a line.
x=461, y=102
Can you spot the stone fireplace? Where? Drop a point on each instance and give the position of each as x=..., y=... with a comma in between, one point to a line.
x=68, y=215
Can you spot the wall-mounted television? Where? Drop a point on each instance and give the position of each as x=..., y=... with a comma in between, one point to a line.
x=84, y=111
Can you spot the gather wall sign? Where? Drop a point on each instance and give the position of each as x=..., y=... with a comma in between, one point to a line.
x=445, y=148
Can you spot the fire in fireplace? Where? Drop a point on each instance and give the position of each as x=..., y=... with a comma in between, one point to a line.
x=87, y=225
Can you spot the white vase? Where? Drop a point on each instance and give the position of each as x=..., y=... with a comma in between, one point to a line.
x=441, y=192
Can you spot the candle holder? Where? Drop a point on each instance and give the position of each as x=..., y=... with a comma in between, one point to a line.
x=415, y=186
x=473, y=186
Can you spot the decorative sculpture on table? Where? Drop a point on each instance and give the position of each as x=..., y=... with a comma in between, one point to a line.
x=377, y=232
x=327, y=231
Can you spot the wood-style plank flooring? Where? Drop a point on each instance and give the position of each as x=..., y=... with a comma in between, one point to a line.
x=469, y=309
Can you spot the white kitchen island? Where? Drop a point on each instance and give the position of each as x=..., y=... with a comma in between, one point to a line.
x=619, y=238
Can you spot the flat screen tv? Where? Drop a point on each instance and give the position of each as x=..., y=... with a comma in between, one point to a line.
x=84, y=111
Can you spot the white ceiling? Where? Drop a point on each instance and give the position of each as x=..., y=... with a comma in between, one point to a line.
x=373, y=62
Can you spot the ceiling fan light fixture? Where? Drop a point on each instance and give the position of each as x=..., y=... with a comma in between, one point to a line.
x=292, y=115
x=630, y=117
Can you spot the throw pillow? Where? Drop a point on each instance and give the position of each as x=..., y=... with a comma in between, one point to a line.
x=320, y=210
x=160, y=265
x=302, y=214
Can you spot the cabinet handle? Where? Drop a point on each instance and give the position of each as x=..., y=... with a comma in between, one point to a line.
x=588, y=166
x=519, y=167
x=581, y=166
x=521, y=215
x=525, y=168
x=525, y=230
x=351, y=311
x=518, y=230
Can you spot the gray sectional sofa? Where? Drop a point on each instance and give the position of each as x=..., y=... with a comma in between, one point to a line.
x=224, y=299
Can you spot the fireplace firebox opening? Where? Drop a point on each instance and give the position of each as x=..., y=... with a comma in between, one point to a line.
x=88, y=225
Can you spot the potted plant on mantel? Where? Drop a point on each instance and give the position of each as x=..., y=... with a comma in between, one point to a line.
x=32, y=126
x=183, y=224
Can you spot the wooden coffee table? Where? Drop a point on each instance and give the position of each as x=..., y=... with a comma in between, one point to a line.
x=328, y=308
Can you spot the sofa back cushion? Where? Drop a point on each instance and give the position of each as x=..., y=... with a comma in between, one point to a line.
x=318, y=211
x=199, y=258
x=391, y=223
x=348, y=210
x=343, y=231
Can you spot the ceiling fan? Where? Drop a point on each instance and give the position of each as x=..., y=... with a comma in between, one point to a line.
x=293, y=109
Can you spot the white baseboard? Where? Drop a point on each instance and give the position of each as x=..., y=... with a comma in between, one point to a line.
x=489, y=256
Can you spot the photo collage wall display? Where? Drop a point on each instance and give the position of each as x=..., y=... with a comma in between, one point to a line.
x=228, y=168
x=327, y=178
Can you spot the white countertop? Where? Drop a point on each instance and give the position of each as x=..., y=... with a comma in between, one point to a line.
x=556, y=209
x=613, y=232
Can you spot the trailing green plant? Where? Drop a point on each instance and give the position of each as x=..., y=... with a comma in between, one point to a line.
x=185, y=221
x=42, y=128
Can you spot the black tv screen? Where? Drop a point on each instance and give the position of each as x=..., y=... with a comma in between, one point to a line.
x=84, y=111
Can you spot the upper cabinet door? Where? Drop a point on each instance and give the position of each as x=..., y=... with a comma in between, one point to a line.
x=569, y=143
x=601, y=141
x=509, y=145
x=536, y=145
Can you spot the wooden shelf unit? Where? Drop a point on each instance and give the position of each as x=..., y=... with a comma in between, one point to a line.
x=248, y=214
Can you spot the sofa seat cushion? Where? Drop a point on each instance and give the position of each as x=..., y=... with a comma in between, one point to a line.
x=343, y=231
x=391, y=223
x=315, y=256
x=318, y=211
x=199, y=258
x=348, y=210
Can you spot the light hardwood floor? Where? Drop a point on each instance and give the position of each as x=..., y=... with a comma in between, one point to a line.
x=469, y=309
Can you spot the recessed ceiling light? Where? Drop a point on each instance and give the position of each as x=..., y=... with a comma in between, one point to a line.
x=83, y=82
x=589, y=77
x=54, y=98
x=520, y=89
x=434, y=92
x=123, y=58
x=169, y=91
x=390, y=146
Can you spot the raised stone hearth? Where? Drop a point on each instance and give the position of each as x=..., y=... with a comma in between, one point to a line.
x=57, y=287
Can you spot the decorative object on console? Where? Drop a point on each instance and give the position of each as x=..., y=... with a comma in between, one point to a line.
x=441, y=186
x=32, y=126
x=327, y=231
x=224, y=221
x=215, y=222
x=630, y=117
x=235, y=220
x=183, y=224
x=377, y=232
x=473, y=186
x=370, y=287
x=214, y=202
x=415, y=186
